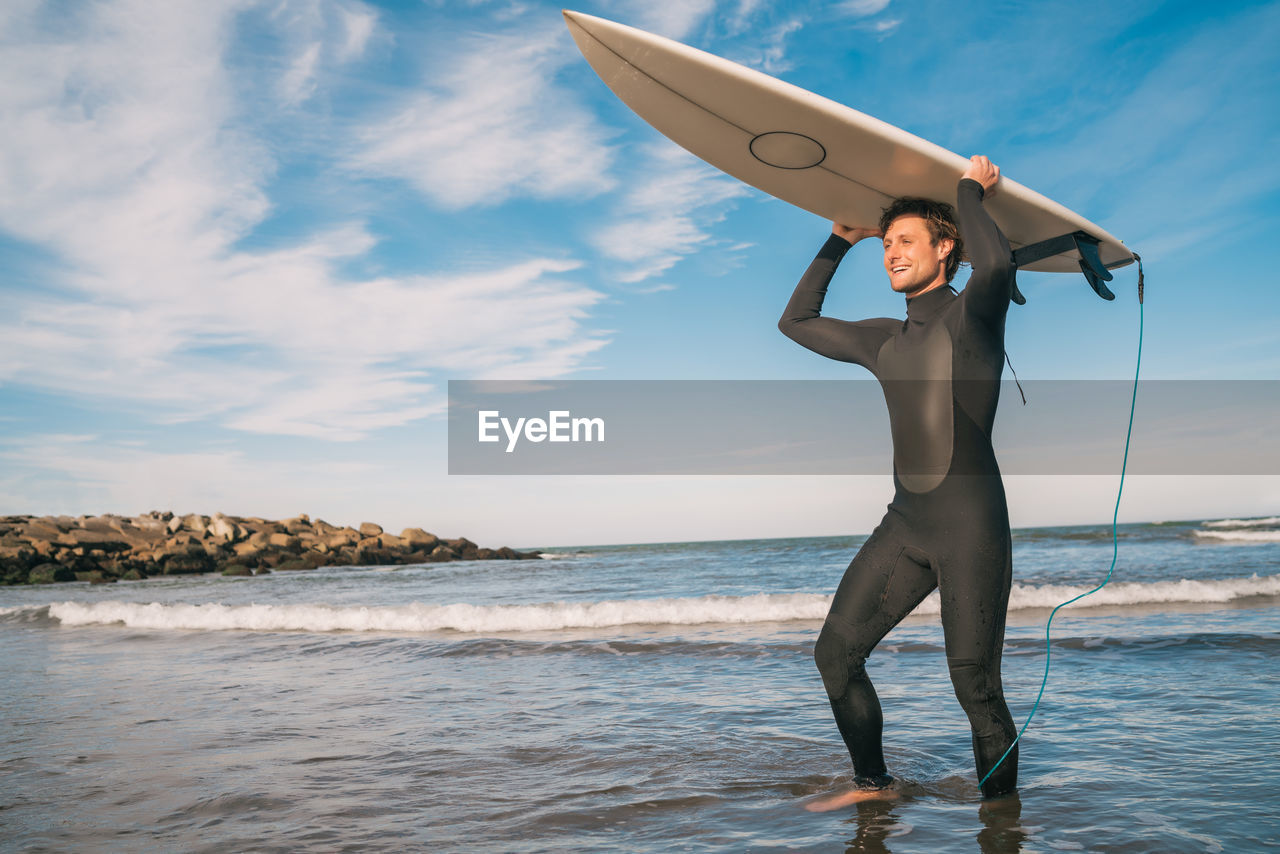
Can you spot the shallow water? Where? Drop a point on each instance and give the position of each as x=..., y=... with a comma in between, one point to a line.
x=568, y=725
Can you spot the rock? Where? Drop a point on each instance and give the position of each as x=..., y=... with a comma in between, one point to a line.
x=246, y=549
x=42, y=529
x=236, y=569
x=419, y=537
x=220, y=527
x=284, y=541
x=138, y=536
x=56, y=548
x=196, y=524
x=298, y=525
x=48, y=573
x=344, y=537
x=193, y=561
x=273, y=557
x=107, y=539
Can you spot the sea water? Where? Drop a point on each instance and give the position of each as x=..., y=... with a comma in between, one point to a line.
x=643, y=698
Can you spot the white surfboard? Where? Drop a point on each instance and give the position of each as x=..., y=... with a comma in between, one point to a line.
x=805, y=149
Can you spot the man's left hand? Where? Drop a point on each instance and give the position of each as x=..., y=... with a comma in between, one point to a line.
x=984, y=172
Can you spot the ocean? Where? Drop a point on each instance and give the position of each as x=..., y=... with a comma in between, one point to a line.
x=641, y=698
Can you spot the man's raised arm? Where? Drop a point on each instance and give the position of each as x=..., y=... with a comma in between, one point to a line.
x=802, y=321
x=990, y=285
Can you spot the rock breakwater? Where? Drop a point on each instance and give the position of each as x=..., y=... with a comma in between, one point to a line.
x=103, y=549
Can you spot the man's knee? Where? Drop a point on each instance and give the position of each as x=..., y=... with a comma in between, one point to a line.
x=836, y=659
x=977, y=689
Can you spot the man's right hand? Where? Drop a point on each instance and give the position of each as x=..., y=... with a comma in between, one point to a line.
x=853, y=233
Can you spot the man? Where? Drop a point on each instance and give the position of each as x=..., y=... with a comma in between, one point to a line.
x=948, y=524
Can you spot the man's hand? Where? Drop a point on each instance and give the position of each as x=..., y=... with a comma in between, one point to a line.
x=853, y=233
x=984, y=172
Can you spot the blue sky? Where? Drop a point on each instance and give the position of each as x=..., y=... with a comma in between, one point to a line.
x=245, y=245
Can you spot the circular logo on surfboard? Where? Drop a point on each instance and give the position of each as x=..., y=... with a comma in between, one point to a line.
x=787, y=150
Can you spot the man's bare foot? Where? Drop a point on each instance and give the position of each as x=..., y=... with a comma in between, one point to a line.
x=865, y=789
x=852, y=796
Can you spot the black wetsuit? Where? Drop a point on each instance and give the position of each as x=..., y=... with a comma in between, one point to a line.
x=948, y=525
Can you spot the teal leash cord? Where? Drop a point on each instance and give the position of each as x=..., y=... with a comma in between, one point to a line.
x=1115, y=542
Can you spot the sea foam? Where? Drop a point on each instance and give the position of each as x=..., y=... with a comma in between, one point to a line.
x=1240, y=536
x=698, y=610
x=1243, y=523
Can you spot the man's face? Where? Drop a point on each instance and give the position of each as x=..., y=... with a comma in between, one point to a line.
x=911, y=258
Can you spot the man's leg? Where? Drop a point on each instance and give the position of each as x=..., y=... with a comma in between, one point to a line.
x=881, y=586
x=974, y=588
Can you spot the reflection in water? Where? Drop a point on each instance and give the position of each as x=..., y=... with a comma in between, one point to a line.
x=1002, y=831
x=876, y=822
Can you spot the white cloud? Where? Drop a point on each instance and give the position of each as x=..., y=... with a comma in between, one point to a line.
x=320, y=34
x=665, y=216
x=127, y=157
x=493, y=125
x=358, y=24
x=882, y=27
x=771, y=56
x=299, y=82
x=862, y=8
x=673, y=20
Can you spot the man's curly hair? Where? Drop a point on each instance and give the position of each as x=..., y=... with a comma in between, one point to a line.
x=940, y=218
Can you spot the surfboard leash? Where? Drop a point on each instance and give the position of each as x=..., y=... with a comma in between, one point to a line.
x=1115, y=540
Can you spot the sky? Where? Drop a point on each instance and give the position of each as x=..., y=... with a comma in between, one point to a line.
x=244, y=246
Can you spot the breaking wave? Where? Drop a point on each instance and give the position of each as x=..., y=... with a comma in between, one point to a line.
x=1240, y=536
x=699, y=610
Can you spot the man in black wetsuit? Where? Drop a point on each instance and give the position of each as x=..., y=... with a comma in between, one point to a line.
x=948, y=525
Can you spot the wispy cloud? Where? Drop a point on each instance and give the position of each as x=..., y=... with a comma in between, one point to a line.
x=770, y=53
x=861, y=8
x=673, y=20
x=300, y=80
x=358, y=23
x=493, y=124
x=667, y=216
x=867, y=10
x=320, y=34
x=128, y=157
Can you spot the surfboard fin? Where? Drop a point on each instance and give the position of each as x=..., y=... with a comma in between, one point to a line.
x=1095, y=272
